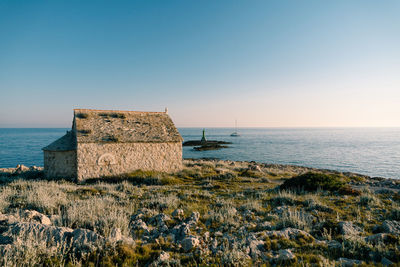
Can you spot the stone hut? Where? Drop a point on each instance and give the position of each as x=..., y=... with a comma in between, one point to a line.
x=105, y=143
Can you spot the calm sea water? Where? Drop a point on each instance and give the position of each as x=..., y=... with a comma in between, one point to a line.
x=371, y=151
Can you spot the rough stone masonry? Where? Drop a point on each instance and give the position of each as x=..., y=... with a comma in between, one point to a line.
x=105, y=143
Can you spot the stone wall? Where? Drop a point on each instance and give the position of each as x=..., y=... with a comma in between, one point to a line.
x=60, y=164
x=109, y=159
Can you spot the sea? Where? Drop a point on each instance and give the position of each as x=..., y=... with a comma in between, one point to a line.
x=370, y=151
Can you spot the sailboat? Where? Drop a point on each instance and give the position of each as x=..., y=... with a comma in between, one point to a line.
x=235, y=133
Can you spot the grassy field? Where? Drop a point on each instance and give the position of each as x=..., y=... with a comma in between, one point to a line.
x=211, y=213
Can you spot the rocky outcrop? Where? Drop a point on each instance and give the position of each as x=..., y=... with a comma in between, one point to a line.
x=35, y=217
x=34, y=226
x=189, y=243
x=392, y=227
x=349, y=229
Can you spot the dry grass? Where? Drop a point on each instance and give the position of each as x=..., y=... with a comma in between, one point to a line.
x=228, y=205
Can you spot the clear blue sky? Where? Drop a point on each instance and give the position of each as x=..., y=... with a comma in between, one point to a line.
x=264, y=63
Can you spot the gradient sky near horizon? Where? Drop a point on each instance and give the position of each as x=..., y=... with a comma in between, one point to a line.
x=265, y=63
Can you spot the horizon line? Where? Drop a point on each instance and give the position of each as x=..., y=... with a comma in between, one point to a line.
x=221, y=127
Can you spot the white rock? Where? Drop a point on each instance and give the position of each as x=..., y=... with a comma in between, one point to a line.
x=164, y=256
x=218, y=233
x=21, y=168
x=264, y=225
x=289, y=233
x=194, y=217
x=81, y=239
x=256, y=247
x=255, y=168
x=190, y=243
x=392, y=227
x=181, y=230
x=160, y=219
x=35, y=217
x=206, y=236
x=178, y=214
x=333, y=244
x=286, y=254
x=115, y=234
x=84, y=238
x=344, y=262
x=140, y=225
x=163, y=228
x=214, y=244
x=6, y=219
x=348, y=228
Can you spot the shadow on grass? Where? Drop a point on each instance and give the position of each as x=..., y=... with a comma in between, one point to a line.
x=6, y=177
x=139, y=177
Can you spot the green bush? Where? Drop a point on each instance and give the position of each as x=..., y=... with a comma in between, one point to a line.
x=311, y=181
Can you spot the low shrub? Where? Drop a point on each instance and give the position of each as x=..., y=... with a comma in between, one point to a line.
x=250, y=173
x=311, y=181
x=118, y=115
x=347, y=190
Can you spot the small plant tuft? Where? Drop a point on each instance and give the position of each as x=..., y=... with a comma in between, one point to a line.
x=118, y=115
x=85, y=132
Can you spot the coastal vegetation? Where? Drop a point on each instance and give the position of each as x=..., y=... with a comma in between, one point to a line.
x=212, y=212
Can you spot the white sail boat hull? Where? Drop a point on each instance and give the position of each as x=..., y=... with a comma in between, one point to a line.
x=235, y=133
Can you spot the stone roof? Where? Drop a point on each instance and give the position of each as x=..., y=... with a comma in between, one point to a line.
x=93, y=126
x=65, y=143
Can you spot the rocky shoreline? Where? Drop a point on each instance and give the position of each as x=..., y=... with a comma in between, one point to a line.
x=212, y=213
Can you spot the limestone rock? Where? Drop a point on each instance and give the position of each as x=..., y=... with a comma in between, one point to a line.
x=140, y=225
x=115, y=234
x=180, y=231
x=190, y=243
x=194, y=217
x=38, y=231
x=248, y=214
x=160, y=219
x=333, y=244
x=85, y=239
x=349, y=229
x=392, y=227
x=281, y=210
x=6, y=219
x=79, y=239
x=348, y=262
x=255, y=168
x=21, y=168
x=377, y=238
x=35, y=168
x=286, y=254
x=264, y=226
x=143, y=213
x=35, y=217
x=289, y=233
x=164, y=256
x=214, y=245
x=178, y=214
x=255, y=247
